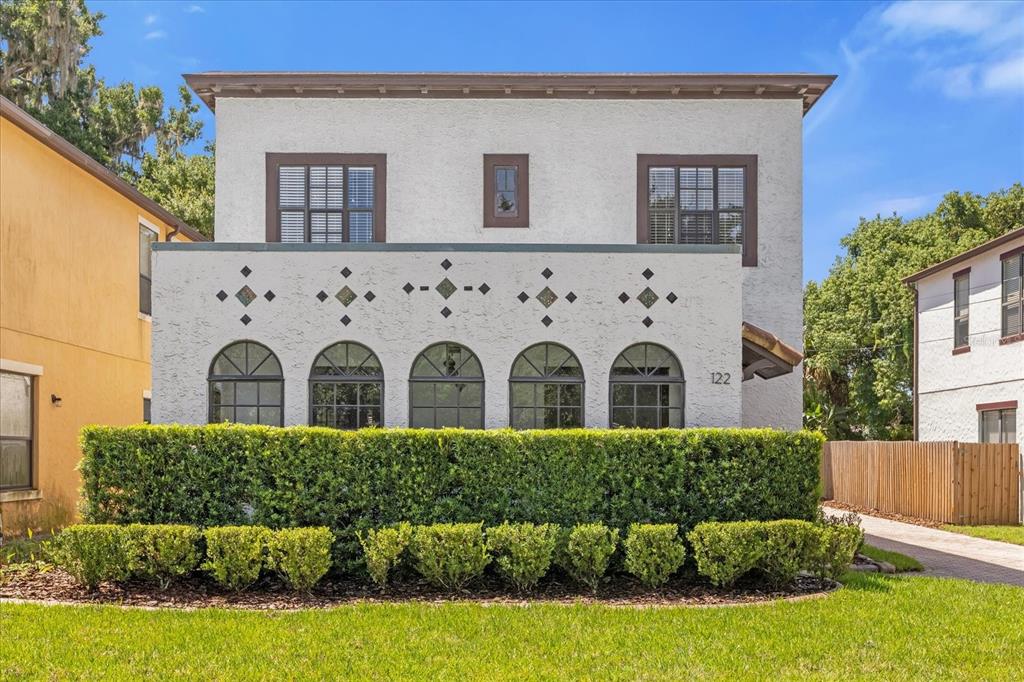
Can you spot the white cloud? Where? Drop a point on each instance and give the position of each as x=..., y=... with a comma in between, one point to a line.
x=194, y=9
x=927, y=19
x=155, y=35
x=1007, y=75
x=150, y=19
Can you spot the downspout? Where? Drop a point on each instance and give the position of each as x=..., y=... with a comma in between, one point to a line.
x=917, y=313
x=171, y=233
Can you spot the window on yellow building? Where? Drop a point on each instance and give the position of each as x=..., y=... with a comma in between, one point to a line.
x=16, y=427
x=146, y=239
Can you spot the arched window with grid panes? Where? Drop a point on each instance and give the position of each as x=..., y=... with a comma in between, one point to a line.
x=246, y=385
x=546, y=388
x=346, y=387
x=446, y=388
x=647, y=388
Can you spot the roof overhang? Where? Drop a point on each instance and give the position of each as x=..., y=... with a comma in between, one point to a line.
x=803, y=86
x=966, y=255
x=766, y=355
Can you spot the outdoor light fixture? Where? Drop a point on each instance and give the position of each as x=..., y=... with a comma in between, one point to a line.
x=55, y=399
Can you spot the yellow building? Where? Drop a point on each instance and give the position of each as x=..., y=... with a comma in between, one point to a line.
x=74, y=312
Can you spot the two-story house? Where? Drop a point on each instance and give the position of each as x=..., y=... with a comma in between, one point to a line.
x=490, y=250
x=969, y=344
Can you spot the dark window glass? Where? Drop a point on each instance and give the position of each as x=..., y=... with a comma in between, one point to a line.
x=147, y=411
x=997, y=426
x=646, y=388
x=1012, y=296
x=446, y=388
x=696, y=204
x=16, y=431
x=146, y=239
x=246, y=385
x=346, y=387
x=961, y=310
x=546, y=388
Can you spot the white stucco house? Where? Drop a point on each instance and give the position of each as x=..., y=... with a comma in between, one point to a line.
x=969, y=345
x=491, y=250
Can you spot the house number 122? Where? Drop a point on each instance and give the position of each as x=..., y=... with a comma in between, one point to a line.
x=720, y=377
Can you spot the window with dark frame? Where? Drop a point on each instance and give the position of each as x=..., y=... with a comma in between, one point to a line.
x=506, y=190
x=646, y=388
x=147, y=411
x=246, y=386
x=961, y=310
x=146, y=239
x=346, y=388
x=326, y=198
x=16, y=430
x=446, y=388
x=546, y=388
x=707, y=199
x=1012, y=296
x=997, y=426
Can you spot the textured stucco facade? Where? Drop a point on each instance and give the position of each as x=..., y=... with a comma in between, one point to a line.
x=951, y=386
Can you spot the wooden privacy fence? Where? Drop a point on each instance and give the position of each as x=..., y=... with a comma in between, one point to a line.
x=949, y=482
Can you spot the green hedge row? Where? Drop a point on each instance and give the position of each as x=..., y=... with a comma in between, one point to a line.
x=354, y=481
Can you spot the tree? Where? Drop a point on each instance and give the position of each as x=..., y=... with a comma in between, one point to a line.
x=858, y=322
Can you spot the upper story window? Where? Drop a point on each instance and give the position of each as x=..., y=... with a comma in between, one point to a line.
x=1012, y=297
x=146, y=239
x=16, y=430
x=506, y=190
x=326, y=198
x=961, y=309
x=698, y=200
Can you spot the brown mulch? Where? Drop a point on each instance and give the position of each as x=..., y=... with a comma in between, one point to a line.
x=892, y=516
x=37, y=582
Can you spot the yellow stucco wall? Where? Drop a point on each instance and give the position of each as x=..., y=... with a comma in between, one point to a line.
x=69, y=303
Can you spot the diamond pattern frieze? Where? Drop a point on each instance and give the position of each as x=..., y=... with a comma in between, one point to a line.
x=446, y=288
x=547, y=297
x=647, y=297
x=245, y=295
x=345, y=295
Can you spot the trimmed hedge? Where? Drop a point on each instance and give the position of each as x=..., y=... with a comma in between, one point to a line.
x=353, y=481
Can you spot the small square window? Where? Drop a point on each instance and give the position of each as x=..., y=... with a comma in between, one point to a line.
x=506, y=190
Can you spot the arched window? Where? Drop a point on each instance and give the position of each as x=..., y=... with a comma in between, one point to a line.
x=346, y=387
x=446, y=388
x=646, y=388
x=246, y=385
x=546, y=388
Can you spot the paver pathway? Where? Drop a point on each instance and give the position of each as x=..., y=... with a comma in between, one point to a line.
x=945, y=554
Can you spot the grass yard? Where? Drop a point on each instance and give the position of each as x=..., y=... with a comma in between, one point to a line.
x=1011, y=534
x=902, y=562
x=876, y=627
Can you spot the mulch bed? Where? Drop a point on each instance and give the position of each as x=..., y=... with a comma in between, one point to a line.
x=892, y=516
x=36, y=582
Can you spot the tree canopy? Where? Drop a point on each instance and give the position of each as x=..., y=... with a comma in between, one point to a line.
x=859, y=321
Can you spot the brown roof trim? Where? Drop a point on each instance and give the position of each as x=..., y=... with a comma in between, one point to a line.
x=21, y=118
x=803, y=86
x=966, y=255
x=771, y=343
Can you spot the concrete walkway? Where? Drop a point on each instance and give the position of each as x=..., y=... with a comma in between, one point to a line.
x=944, y=554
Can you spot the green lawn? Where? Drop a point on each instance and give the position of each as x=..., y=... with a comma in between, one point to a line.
x=1011, y=534
x=877, y=627
x=902, y=562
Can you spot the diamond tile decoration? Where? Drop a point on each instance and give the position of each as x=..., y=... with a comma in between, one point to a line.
x=424, y=288
x=672, y=298
x=369, y=296
x=483, y=288
x=547, y=321
x=222, y=294
x=345, y=295
x=270, y=295
x=648, y=322
x=246, y=271
x=547, y=273
x=345, y=272
x=648, y=273
x=468, y=287
x=345, y=320
x=445, y=311
x=570, y=297
x=322, y=296
x=408, y=288
x=445, y=288
x=446, y=264
x=623, y=297
x=245, y=319
x=523, y=297
x=547, y=297
x=246, y=295
x=647, y=297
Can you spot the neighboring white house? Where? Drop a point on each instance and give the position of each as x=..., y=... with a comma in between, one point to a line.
x=490, y=250
x=969, y=345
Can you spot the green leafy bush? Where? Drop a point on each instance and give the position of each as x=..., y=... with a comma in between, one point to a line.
x=834, y=551
x=786, y=549
x=163, y=553
x=653, y=552
x=725, y=552
x=450, y=554
x=93, y=553
x=383, y=549
x=522, y=551
x=301, y=555
x=353, y=481
x=588, y=550
x=235, y=555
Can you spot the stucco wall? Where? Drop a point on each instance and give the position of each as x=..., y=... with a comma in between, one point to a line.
x=951, y=386
x=191, y=324
x=582, y=180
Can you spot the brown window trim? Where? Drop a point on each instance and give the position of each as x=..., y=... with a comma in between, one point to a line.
x=960, y=350
x=378, y=161
x=961, y=273
x=747, y=161
x=1011, y=339
x=1004, y=405
x=1011, y=253
x=522, y=164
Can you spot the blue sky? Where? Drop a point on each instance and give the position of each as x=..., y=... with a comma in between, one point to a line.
x=930, y=97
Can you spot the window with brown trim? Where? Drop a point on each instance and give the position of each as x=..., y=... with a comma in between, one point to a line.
x=326, y=198
x=506, y=190
x=997, y=426
x=1012, y=298
x=698, y=199
x=961, y=309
